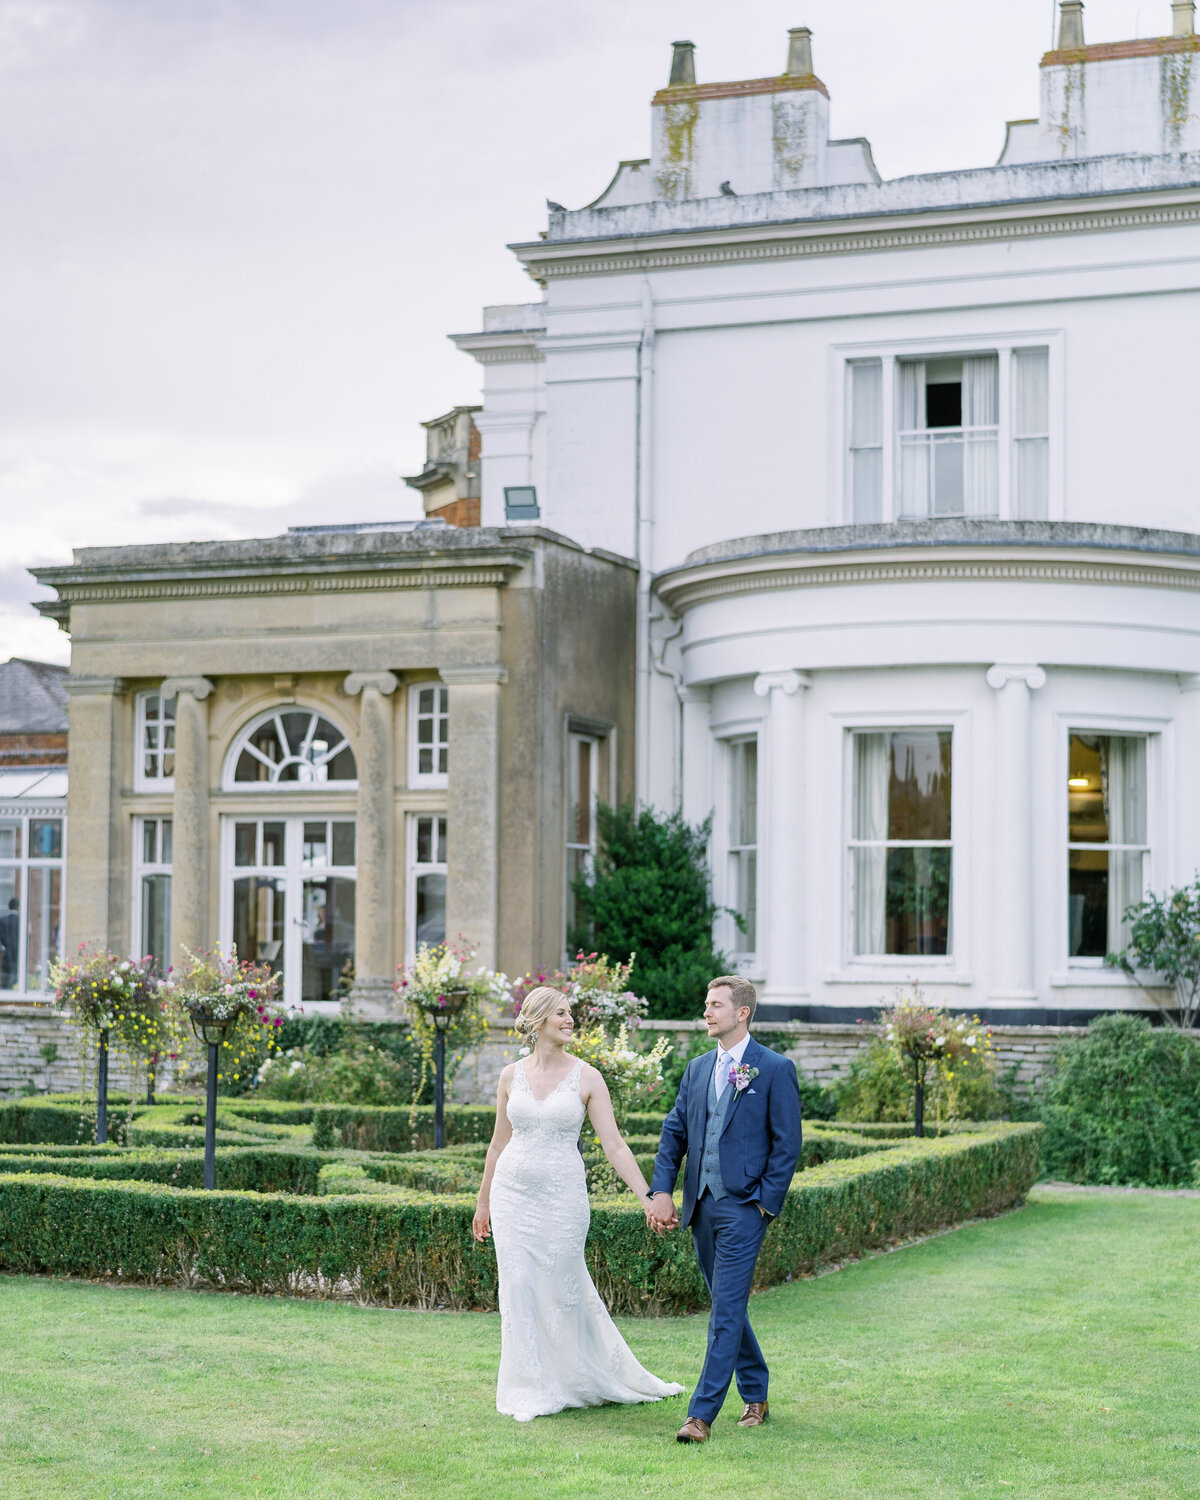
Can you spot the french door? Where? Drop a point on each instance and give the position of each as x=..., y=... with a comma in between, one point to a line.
x=287, y=899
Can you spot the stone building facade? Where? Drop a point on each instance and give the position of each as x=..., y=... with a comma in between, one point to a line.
x=331, y=745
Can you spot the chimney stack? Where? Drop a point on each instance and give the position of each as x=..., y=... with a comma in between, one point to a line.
x=1070, y=25
x=683, y=62
x=800, y=63
x=1183, y=14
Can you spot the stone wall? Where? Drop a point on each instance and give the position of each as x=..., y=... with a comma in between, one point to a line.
x=24, y=1030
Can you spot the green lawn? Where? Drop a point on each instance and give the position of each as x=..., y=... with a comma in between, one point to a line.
x=1055, y=1352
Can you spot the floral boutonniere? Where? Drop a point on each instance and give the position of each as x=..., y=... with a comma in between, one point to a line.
x=742, y=1076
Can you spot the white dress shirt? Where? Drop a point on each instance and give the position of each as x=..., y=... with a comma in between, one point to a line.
x=724, y=1059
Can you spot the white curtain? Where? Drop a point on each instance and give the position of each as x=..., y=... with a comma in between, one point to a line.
x=870, y=822
x=1031, y=426
x=866, y=441
x=1123, y=774
x=981, y=410
x=914, y=452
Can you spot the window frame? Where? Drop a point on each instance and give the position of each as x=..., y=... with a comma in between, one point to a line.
x=890, y=353
x=414, y=869
x=578, y=734
x=141, y=867
x=890, y=968
x=24, y=863
x=428, y=780
x=277, y=788
x=1156, y=861
x=142, y=782
x=745, y=960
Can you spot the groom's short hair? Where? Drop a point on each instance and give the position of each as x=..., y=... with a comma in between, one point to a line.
x=742, y=990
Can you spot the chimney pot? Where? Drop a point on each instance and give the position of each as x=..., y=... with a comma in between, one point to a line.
x=1070, y=25
x=1183, y=14
x=683, y=62
x=799, y=63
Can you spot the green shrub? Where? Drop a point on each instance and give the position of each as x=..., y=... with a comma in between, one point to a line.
x=245, y=1169
x=649, y=894
x=418, y=1250
x=364, y=1128
x=344, y=1061
x=1122, y=1105
x=32, y=1121
x=879, y=1088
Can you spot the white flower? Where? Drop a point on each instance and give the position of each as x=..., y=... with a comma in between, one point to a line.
x=971, y=1040
x=939, y=1041
x=125, y=967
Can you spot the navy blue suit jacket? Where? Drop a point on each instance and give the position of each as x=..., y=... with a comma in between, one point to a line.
x=760, y=1143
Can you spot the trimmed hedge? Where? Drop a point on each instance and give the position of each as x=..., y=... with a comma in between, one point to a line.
x=418, y=1251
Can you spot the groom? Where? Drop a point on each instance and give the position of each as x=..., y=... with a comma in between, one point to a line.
x=737, y=1119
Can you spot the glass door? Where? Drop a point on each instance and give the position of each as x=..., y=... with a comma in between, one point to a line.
x=289, y=889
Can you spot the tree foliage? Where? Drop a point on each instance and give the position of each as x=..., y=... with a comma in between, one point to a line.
x=1164, y=939
x=649, y=894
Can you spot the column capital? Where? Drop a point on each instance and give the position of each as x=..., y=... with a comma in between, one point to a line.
x=198, y=687
x=789, y=682
x=1003, y=673
x=383, y=682
x=82, y=687
x=488, y=673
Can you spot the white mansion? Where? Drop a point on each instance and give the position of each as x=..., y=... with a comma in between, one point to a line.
x=860, y=515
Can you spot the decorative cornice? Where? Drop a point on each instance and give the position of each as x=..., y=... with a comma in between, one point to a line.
x=381, y=682
x=804, y=241
x=48, y=807
x=682, y=592
x=490, y=673
x=84, y=687
x=788, y=682
x=196, y=687
x=1001, y=675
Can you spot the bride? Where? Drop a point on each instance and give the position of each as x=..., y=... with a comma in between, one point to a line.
x=558, y=1345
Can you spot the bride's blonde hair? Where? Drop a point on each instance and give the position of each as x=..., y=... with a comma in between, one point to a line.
x=535, y=1007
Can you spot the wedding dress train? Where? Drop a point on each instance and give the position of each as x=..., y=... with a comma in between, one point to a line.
x=558, y=1345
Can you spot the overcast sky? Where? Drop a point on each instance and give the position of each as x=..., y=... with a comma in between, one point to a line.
x=234, y=233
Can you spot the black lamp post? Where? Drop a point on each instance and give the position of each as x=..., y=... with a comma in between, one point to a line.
x=102, y=1091
x=448, y=1006
x=919, y=1104
x=212, y=1031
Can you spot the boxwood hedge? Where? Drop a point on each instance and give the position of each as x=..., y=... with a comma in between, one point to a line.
x=413, y=1248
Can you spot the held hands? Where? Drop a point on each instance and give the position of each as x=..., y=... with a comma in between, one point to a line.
x=481, y=1226
x=661, y=1214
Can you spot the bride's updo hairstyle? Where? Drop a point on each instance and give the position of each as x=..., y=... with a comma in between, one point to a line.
x=535, y=1007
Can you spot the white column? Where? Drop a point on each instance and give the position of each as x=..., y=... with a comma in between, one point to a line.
x=1012, y=867
x=375, y=905
x=782, y=832
x=473, y=808
x=190, y=834
x=1187, y=758
x=697, y=798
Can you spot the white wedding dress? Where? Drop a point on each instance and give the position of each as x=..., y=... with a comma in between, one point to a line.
x=558, y=1345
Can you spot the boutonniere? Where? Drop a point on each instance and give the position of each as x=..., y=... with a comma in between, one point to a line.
x=742, y=1077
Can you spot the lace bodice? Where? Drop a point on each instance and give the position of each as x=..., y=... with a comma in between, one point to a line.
x=549, y=1122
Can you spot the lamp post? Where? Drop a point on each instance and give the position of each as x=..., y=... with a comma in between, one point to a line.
x=919, y=1097
x=102, y=1091
x=211, y=1030
x=448, y=1006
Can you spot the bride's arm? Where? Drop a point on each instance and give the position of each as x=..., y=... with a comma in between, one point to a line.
x=604, y=1122
x=501, y=1135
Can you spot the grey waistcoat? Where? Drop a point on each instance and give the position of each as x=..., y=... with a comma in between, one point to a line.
x=710, y=1162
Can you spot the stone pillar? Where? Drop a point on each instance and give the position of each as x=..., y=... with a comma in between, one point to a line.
x=696, y=781
x=1012, y=792
x=375, y=898
x=1187, y=758
x=781, y=831
x=191, y=834
x=473, y=808
x=93, y=863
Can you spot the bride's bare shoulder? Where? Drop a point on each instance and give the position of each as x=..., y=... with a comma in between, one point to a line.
x=506, y=1074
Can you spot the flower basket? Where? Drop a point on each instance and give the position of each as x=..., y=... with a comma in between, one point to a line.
x=216, y=993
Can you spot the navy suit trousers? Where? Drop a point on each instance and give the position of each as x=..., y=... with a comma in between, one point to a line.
x=727, y=1236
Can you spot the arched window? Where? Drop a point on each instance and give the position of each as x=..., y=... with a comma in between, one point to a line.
x=290, y=748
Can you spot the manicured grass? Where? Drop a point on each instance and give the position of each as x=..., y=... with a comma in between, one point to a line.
x=1050, y=1353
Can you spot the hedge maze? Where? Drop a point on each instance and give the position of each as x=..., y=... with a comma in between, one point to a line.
x=335, y=1201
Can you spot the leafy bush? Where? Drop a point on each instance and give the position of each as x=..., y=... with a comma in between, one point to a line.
x=649, y=894
x=362, y=1075
x=878, y=1087
x=1164, y=938
x=1122, y=1104
x=392, y=1130
x=417, y=1250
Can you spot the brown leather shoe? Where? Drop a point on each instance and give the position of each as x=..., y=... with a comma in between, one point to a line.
x=694, y=1430
x=754, y=1415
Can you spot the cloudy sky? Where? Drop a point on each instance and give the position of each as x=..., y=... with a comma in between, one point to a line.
x=234, y=233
